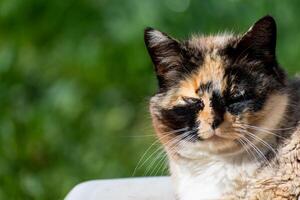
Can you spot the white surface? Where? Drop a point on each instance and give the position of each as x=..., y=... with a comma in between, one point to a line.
x=153, y=188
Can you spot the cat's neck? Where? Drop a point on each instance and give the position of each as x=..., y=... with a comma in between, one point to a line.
x=238, y=160
x=210, y=177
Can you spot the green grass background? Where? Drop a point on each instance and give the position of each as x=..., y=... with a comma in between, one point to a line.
x=75, y=80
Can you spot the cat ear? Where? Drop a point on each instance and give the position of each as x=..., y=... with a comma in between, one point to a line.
x=260, y=40
x=260, y=43
x=165, y=53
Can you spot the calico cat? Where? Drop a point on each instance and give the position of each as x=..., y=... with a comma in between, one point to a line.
x=226, y=114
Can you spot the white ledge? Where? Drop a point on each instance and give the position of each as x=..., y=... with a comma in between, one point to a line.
x=150, y=188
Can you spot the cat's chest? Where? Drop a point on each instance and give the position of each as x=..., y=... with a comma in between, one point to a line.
x=208, y=181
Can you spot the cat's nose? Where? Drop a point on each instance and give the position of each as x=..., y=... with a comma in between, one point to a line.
x=206, y=131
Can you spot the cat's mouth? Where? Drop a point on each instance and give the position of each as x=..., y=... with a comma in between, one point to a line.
x=218, y=135
x=214, y=144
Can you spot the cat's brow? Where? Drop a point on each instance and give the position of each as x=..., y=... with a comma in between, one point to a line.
x=205, y=87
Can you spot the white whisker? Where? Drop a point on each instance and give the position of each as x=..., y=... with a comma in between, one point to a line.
x=167, y=145
x=154, y=143
x=257, y=150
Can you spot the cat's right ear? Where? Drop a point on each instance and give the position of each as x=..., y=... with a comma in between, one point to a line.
x=165, y=53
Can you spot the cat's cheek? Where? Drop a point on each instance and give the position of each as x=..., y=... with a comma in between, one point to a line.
x=161, y=130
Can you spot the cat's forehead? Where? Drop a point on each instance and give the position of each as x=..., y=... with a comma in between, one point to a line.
x=213, y=66
x=212, y=42
x=210, y=75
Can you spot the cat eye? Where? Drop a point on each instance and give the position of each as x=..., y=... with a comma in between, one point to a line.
x=190, y=100
x=238, y=96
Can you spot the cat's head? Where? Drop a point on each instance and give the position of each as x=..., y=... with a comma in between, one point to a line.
x=213, y=89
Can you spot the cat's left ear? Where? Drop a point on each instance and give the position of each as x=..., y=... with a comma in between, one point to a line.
x=260, y=39
x=166, y=55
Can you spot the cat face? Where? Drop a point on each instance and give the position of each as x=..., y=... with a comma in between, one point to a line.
x=213, y=89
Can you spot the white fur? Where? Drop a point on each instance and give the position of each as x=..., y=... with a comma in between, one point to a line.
x=157, y=37
x=209, y=177
x=222, y=39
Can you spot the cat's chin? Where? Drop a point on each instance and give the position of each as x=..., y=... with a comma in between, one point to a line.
x=213, y=146
x=222, y=145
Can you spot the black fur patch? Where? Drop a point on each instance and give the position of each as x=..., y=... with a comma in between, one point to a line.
x=182, y=116
x=218, y=106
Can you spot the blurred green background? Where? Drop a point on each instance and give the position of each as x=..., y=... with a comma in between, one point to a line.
x=76, y=79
